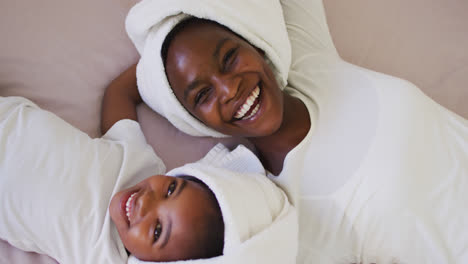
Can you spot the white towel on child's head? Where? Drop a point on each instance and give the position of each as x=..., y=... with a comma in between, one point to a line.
x=260, y=224
x=259, y=21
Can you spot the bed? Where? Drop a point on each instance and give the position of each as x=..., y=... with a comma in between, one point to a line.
x=61, y=54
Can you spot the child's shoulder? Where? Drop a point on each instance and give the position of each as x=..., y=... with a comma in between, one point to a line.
x=12, y=102
x=221, y=156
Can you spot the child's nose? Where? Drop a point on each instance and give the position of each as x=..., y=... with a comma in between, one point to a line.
x=145, y=203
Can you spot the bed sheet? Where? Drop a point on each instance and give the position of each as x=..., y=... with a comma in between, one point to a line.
x=61, y=54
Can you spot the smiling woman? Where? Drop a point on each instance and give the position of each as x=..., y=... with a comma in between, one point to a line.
x=222, y=80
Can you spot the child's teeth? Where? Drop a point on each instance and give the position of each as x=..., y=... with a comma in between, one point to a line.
x=128, y=205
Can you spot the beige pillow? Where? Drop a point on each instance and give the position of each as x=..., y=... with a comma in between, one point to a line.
x=62, y=54
x=423, y=41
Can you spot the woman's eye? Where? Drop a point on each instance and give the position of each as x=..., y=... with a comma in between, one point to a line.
x=157, y=231
x=201, y=94
x=229, y=58
x=171, y=188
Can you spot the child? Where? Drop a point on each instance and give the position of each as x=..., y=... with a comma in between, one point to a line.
x=57, y=183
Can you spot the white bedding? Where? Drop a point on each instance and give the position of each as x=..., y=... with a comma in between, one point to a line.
x=62, y=53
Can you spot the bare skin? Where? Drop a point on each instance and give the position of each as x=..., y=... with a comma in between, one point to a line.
x=163, y=218
x=168, y=216
x=120, y=99
x=225, y=70
x=273, y=149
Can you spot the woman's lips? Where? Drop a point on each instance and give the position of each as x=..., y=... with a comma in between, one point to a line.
x=250, y=106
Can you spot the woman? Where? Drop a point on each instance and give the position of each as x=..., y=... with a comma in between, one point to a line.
x=378, y=171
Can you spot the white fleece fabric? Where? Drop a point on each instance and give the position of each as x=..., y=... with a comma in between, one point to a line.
x=260, y=224
x=149, y=22
x=56, y=183
x=382, y=176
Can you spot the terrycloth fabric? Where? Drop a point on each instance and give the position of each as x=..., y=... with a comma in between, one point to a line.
x=149, y=22
x=260, y=224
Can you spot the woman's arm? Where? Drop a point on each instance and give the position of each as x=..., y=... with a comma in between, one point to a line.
x=120, y=99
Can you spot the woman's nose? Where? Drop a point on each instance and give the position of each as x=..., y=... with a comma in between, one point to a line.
x=227, y=88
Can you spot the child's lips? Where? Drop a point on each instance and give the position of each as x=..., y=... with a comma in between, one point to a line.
x=126, y=205
x=129, y=205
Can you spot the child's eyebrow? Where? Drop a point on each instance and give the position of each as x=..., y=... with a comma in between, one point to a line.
x=169, y=225
x=181, y=187
x=168, y=234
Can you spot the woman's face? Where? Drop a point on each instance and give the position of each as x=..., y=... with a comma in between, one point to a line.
x=224, y=81
x=162, y=218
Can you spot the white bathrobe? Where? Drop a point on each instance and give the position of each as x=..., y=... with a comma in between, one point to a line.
x=382, y=176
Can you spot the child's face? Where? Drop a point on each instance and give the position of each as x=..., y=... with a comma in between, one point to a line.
x=160, y=218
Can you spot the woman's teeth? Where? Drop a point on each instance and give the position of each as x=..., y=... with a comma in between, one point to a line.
x=244, y=109
x=128, y=205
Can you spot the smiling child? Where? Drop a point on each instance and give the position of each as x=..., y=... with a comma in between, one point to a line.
x=165, y=218
x=83, y=200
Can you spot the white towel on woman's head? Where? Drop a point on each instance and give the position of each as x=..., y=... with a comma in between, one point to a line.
x=259, y=21
x=260, y=226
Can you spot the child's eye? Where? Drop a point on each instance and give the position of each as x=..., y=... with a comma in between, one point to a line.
x=157, y=231
x=171, y=188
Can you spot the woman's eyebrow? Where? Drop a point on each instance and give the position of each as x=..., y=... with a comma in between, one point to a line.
x=218, y=48
x=190, y=87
